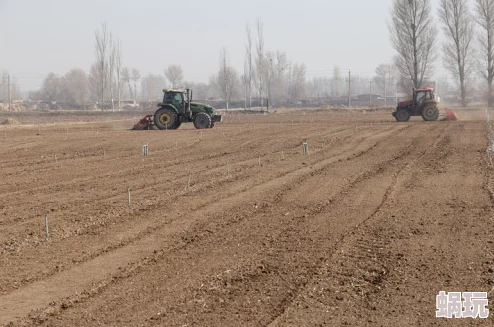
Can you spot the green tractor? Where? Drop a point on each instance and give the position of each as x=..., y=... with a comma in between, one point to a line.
x=177, y=108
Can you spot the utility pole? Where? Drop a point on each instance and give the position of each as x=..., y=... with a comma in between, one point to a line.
x=10, y=99
x=370, y=94
x=385, y=94
x=349, y=87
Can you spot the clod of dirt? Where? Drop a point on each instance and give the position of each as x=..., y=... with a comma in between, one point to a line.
x=11, y=121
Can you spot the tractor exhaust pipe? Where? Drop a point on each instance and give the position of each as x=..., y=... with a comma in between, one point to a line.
x=189, y=100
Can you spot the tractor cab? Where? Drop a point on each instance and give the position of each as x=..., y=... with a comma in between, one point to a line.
x=422, y=96
x=179, y=99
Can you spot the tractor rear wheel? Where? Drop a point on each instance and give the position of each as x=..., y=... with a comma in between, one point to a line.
x=166, y=118
x=202, y=120
x=430, y=112
x=402, y=115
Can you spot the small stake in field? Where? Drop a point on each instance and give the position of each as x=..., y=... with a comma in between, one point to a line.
x=489, y=151
x=228, y=168
x=305, y=148
x=145, y=150
x=128, y=192
x=56, y=161
x=46, y=227
x=282, y=155
x=188, y=182
x=259, y=162
x=104, y=154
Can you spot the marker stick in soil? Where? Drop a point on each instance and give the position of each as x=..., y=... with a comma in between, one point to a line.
x=46, y=227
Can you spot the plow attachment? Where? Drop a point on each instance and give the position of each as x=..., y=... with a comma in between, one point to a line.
x=450, y=115
x=145, y=123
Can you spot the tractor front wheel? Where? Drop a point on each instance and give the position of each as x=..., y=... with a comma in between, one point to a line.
x=166, y=118
x=202, y=120
x=430, y=112
x=402, y=115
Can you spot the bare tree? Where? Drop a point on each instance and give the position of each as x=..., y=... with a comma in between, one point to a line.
x=175, y=75
x=151, y=87
x=385, y=79
x=413, y=36
x=298, y=83
x=51, y=89
x=279, y=69
x=136, y=75
x=261, y=66
x=227, y=77
x=4, y=86
x=458, y=28
x=337, y=82
x=485, y=19
x=117, y=55
x=15, y=89
x=102, y=48
x=111, y=69
x=201, y=90
x=319, y=87
x=75, y=88
x=248, y=68
x=126, y=79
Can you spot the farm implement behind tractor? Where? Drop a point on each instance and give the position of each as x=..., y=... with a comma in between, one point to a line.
x=177, y=108
x=425, y=104
x=144, y=123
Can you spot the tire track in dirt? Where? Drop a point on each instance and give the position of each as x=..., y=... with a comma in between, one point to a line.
x=295, y=174
x=206, y=235
x=144, y=228
x=77, y=231
x=263, y=322
x=130, y=174
x=354, y=260
x=213, y=175
x=180, y=193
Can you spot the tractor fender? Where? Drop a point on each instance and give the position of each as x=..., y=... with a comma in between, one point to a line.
x=169, y=106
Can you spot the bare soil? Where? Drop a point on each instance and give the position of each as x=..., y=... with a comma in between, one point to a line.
x=364, y=230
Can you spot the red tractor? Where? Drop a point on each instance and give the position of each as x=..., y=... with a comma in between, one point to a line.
x=423, y=104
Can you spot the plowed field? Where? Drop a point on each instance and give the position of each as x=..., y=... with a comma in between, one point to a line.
x=235, y=226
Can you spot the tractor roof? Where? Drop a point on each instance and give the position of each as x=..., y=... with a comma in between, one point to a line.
x=173, y=91
x=428, y=89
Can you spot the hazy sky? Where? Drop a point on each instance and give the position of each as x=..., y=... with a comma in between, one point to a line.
x=42, y=36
